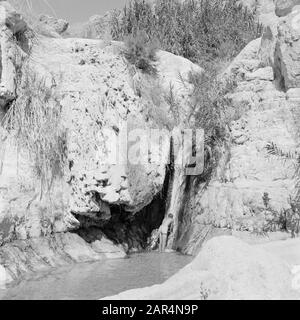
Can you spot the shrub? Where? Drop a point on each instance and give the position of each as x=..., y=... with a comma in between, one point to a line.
x=290, y=218
x=35, y=121
x=209, y=102
x=188, y=28
x=210, y=110
x=141, y=52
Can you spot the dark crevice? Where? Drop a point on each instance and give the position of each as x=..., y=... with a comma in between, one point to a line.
x=131, y=230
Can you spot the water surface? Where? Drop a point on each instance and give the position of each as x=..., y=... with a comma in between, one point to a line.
x=89, y=281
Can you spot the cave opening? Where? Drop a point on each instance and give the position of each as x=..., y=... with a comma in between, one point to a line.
x=132, y=230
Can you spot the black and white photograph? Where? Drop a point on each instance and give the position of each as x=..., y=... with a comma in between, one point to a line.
x=149, y=151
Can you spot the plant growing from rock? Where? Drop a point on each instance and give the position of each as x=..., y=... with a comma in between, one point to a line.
x=289, y=219
x=141, y=52
x=35, y=121
x=209, y=109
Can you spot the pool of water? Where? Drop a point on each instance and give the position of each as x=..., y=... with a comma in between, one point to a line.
x=89, y=281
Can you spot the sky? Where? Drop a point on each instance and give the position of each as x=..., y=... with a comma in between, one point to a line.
x=76, y=10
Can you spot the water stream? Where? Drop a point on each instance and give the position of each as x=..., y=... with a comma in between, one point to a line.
x=90, y=281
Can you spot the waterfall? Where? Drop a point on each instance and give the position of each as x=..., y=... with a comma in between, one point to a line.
x=181, y=147
x=176, y=195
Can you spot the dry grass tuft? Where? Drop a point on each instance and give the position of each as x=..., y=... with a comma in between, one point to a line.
x=34, y=119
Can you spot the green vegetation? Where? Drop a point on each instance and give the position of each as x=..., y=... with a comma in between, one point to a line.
x=202, y=30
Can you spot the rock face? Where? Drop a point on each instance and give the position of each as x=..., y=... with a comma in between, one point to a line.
x=101, y=98
x=39, y=254
x=58, y=25
x=98, y=96
x=2, y=277
x=11, y=19
x=287, y=62
x=234, y=197
x=107, y=248
x=11, y=23
x=226, y=268
x=284, y=7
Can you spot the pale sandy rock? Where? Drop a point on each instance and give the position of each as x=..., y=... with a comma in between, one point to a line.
x=58, y=25
x=39, y=254
x=10, y=23
x=22, y=213
x=233, y=198
x=95, y=86
x=170, y=66
x=293, y=95
x=247, y=60
x=266, y=74
x=11, y=19
x=226, y=268
x=284, y=7
x=108, y=249
x=287, y=50
x=3, y=277
x=103, y=82
x=287, y=249
x=78, y=250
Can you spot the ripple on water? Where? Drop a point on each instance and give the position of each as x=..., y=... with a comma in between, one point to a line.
x=89, y=281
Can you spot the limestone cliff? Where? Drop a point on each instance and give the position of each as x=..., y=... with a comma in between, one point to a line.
x=87, y=88
x=267, y=100
x=91, y=94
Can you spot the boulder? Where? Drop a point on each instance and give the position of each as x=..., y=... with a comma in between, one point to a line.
x=108, y=249
x=97, y=101
x=287, y=62
x=58, y=25
x=11, y=19
x=284, y=7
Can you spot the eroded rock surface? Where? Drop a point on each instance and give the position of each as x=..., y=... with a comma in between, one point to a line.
x=39, y=254
x=284, y=7
x=99, y=95
x=58, y=25
x=234, y=197
x=287, y=50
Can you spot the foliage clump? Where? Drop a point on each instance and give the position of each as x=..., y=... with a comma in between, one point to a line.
x=35, y=120
x=202, y=30
x=140, y=52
